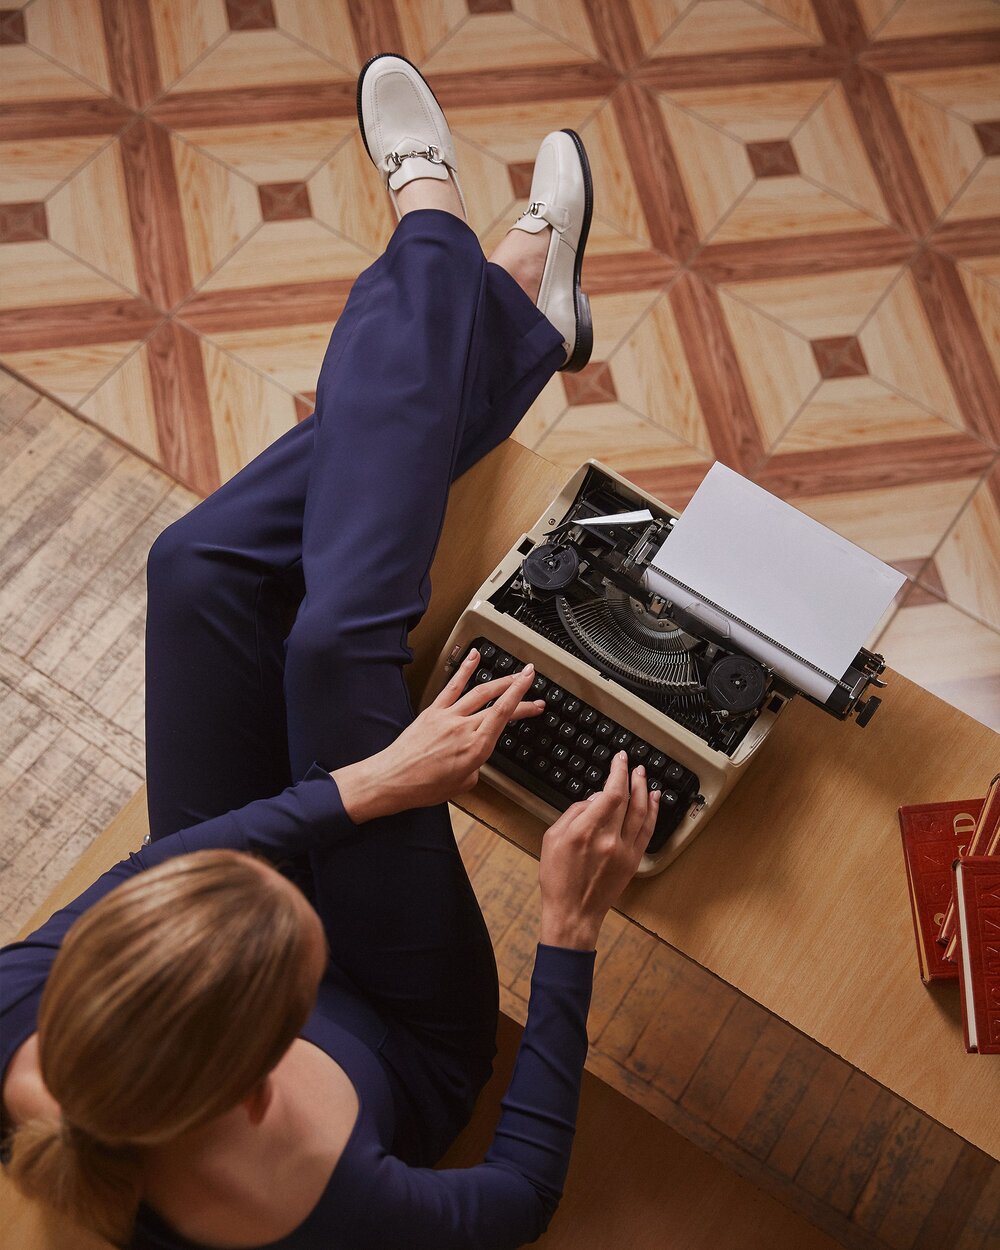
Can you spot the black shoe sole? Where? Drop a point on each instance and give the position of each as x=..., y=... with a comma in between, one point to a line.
x=584, y=344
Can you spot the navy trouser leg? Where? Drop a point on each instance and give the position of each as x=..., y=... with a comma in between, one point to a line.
x=434, y=361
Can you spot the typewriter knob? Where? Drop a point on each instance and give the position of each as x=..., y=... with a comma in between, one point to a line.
x=736, y=684
x=550, y=568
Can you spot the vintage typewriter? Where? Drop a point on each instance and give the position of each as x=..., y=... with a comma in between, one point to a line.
x=621, y=666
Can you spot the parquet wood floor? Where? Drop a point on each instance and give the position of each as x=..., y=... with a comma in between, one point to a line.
x=795, y=261
x=80, y=512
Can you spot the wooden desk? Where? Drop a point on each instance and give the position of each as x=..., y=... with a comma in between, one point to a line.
x=795, y=893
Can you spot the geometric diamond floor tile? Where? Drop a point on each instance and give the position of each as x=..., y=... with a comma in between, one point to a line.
x=895, y=523
x=513, y=131
x=967, y=91
x=542, y=415
x=347, y=194
x=183, y=31
x=796, y=13
x=651, y=375
x=915, y=18
x=569, y=20
x=71, y=373
x=424, y=27
x=124, y=406
x=285, y=252
x=947, y=652
x=753, y=112
x=496, y=39
x=787, y=207
x=945, y=146
x=616, y=197
x=968, y=561
x=31, y=171
x=89, y=216
x=72, y=34
x=271, y=151
x=829, y=151
x=325, y=28
x=900, y=349
x=290, y=355
x=778, y=366
x=860, y=411
x=36, y=274
x=616, y=315
x=616, y=436
x=255, y=58
x=984, y=301
x=821, y=305
x=981, y=196
x=723, y=25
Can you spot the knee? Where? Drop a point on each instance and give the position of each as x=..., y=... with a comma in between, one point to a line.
x=176, y=567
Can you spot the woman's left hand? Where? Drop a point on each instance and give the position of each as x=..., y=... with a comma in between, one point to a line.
x=440, y=753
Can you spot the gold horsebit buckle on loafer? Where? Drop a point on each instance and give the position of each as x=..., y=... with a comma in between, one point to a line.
x=395, y=159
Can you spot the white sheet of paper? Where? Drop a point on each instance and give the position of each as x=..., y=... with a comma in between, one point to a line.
x=619, y=518
x=764, y=562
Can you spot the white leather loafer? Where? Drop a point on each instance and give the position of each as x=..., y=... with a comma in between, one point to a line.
x=562, y=197
x=404, y=130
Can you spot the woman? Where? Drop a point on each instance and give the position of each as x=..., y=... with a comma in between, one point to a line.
x=198, y=1052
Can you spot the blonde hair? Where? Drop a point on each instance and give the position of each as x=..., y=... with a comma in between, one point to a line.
x=170, y=1001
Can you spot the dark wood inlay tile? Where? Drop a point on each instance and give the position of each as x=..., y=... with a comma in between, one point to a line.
x=864, y=1151
x=993, y=485
x=25, y=120
x=803, y=255
x=873, y=466
x=376, y=27
x=988, y=134
x=592, y=385
x=772, y=158
x=920, y=1186
x=613, y=272
x=285, y=102
x=839, y=357
x=956, y=50
x=155, y=214
x=519, y=84
x=731, y=69
x=76, y=325
x=930, y=578
x=262, y=307
x=967, y=1179
x=722, y=393
x=965, y=356
x=131, y=51
x=23, y=223
x=181, y=404
x=521, y=174
x=813, y=1110
x=840, y=23
x=284, y=201
x=489, y=6
x=656, y=173
x=917, y=596
x=304, y=406
x=900, y=1151
x=978, y=237
x=12, y=26
x=615, y=33
x=888, y=150
x=822, y=1164
x=250, y=15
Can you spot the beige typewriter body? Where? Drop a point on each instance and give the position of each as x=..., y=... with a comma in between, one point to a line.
x=717, y=772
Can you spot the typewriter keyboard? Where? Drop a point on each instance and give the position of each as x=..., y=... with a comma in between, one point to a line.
x=564, y=755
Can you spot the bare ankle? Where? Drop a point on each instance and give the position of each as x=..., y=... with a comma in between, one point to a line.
x=430, y=193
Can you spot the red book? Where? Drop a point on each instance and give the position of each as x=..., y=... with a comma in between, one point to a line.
x=977, y=895
x=984, y=841
x=932, y=835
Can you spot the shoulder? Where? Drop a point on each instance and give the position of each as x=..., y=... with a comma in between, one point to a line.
x=24, y=1094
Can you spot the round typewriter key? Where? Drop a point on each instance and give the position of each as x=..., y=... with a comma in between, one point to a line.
x=621, y=739
x=584, y=742
x=504, y=664
x=567, y=731
x=673, y=773
x=482, y=674
x=526, y=730
x=587, y=718
x=575, y=787
x=576, y=763
x=600, y=754
x=560, y=753
x=538, y=686
x=487, y=651
x=523, y=754
x=541, y=765
x=668, y=798
x=543, y=742
x=571, y=707
x=506, y=743
x=604, y=728
x=638, y=751
x=558, y=775
x=656, y=762
x=551, y=720
x=654, y=785
x=595, y=776
x=556, y=694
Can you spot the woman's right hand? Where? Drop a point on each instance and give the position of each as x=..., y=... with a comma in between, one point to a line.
x=591, y=853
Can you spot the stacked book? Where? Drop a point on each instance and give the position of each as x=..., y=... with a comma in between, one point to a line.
x=952, y=853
